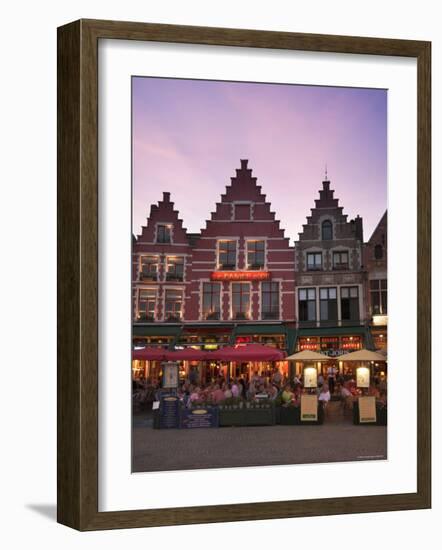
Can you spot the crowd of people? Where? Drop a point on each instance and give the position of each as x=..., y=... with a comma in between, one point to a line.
x=256, y=387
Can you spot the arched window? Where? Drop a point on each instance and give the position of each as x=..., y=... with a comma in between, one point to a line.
x=378, y=252
x=327, y=230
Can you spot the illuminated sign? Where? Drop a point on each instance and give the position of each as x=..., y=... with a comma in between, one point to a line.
x=380, y=320
x=240, y=276
x=363, y=377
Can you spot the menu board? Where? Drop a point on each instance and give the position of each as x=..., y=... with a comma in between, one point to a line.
x=206, y=417
x=310, y=377
x=169, y=412
x=170, y=375
x=367, y=409
x=363, y=377
x=309, y=408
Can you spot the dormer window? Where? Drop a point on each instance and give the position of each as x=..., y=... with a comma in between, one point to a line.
x=164, y=233
x=327, y=230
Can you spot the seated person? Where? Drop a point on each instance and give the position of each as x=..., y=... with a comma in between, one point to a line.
x=287, y=395
x=218, y=394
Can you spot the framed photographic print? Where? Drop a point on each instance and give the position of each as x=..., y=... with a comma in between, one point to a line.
x=237, y=208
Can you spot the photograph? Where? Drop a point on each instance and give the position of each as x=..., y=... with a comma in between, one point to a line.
x=259, y=274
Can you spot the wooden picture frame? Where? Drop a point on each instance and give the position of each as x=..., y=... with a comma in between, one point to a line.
x=78, y=274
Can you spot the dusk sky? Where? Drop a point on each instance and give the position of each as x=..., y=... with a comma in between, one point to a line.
x=189, y=137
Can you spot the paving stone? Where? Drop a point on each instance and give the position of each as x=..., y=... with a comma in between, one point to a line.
x=337, y=440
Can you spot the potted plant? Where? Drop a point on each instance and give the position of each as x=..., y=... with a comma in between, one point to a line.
x=260, y=413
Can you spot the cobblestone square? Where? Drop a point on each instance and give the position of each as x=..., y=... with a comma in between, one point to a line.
x=337, y=440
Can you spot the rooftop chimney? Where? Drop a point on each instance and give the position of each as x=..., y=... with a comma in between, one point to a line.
x=359, y=232
x=244, y=164
x=166, y=196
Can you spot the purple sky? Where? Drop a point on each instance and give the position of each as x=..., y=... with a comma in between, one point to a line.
x=189, y=137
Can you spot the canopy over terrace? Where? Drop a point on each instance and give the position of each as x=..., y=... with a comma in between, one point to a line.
x=363, y=355
x=250, y=352
x=209, y=364
x=158, y=354
x=307, y=356
x=187, y=354
x=149, y=354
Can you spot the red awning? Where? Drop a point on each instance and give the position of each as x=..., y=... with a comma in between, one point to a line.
x=187, y=354
x=149, y=354
x=251, y=352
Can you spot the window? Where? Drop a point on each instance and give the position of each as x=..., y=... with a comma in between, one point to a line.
x=255, y=254
x=164, y=233
x=242, y=211
x=307, y=304
x=211, y=301
x=327, y=230
x=378, y=252
x=173, y=305
x=378, y=296
x=146, y=304
x=175, y=268
x=270, y=300
x=227, y=255
x=149, y=268
x=328, y=304
x=350, y=303
x=340, y=260
x=314, y=261
x=240, y=300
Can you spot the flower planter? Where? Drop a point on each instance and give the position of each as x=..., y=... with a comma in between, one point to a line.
x=228, y=416
x=260, y=416
x=256, y=415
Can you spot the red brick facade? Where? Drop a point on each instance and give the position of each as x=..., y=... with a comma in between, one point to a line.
x=241, y=236
x=240, y=271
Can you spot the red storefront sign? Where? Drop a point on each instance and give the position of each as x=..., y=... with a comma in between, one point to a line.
x=240, y=275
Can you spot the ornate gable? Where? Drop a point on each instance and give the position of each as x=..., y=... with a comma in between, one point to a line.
x=163, y=213
x=327, y=209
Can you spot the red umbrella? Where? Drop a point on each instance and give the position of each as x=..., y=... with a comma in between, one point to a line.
x=186, y=354
x=251, y=352
x=149, y=354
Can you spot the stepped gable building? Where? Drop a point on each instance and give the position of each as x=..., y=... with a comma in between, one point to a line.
x=242, y=268
x=375, y=263
x=330, y=279
x=232, y=283
x=161, y=258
